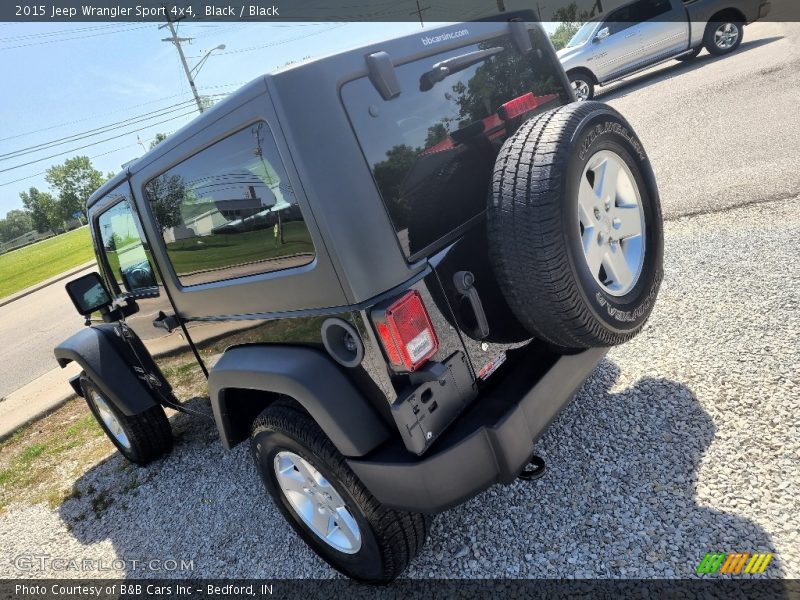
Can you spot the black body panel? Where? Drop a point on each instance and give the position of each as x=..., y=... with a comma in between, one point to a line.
x=310, y=378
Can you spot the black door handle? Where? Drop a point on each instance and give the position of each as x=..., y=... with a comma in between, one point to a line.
x=169, y=323
x=465, y=285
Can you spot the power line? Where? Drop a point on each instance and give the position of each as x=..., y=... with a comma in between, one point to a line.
x=90, y=158
x=50, y=127
x=94, y=143
x=98, y=130
x=284, y=40
x=18, y=38
x=82, y=37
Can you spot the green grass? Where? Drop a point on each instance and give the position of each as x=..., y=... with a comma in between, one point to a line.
x=28, y=266
x=33, y=457
x=222, y=250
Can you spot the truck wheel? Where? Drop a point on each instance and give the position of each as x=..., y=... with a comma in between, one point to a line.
x=723, y=37
x=140, y=438
x=575, y=228
x=690, y=55
x=582, y=85
x=326, y=504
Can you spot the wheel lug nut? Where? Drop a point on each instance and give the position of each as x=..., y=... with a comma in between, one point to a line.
x=616, y=223
x=597, y=214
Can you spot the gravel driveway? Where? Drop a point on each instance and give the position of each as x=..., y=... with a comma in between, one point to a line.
x=684, y=440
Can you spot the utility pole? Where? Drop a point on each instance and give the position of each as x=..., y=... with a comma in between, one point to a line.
x=419, y=12
x=177, y=42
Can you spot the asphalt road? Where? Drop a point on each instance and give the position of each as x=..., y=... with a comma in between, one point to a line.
x=721, y=132
x=684, y=440
x=29, y=330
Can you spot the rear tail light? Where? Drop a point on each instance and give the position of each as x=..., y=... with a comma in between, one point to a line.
x=406, y=332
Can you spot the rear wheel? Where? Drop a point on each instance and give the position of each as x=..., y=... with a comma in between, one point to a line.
x=582, y=84
x=326, y=504
x=140, y=438
x=575, y=228
x=723, y=37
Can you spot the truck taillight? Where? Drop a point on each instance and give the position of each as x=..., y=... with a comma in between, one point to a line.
x=406, y=332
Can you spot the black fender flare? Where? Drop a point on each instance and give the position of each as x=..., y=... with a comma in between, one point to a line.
x=309, y=377
x=98, y=353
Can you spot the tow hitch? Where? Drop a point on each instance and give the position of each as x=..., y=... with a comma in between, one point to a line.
x=533, y=470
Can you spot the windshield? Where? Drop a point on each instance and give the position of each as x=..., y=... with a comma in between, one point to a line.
x=582, y=35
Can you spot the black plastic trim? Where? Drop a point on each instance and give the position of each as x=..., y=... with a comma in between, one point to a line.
x=95, y=350
x=309, y=377
x=489, y=444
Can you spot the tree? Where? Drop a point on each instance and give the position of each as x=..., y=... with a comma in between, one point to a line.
x=160, y=137
x=74, y=181
x=436, y=133
x=390, y=174
x=16, y=223
x=43, y=209
x=166, y=194
x=571, y=20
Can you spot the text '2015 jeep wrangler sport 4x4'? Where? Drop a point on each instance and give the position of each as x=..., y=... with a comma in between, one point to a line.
x=394, y=265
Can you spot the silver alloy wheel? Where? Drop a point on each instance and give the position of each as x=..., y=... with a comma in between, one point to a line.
x=612, y=224
x=317, y=503
x=110, y=420
x=581, y=89
x=726, y=35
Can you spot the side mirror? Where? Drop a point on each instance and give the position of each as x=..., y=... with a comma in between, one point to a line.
x=89, y=294
x=601, y=35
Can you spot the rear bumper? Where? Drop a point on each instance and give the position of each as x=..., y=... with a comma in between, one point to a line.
x=489, y=444
x=764, y=9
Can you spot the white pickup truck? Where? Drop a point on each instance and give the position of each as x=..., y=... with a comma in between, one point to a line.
x=643, y=33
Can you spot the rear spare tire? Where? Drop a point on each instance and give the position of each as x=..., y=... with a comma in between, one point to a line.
x=575, y=227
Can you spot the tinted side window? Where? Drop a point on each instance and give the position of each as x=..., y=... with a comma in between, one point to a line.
x=229, y=211
x=124, y=248
x=650, y=9
x=620, y=20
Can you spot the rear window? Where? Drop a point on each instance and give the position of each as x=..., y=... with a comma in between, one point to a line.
x=432, y=148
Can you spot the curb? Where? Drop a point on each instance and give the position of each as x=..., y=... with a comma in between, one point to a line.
x=43, y=284
x=51, y=408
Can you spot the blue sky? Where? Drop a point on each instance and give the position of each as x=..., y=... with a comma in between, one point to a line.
x=66, y=79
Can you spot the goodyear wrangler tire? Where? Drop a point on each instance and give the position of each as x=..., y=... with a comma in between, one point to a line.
x=575, y=227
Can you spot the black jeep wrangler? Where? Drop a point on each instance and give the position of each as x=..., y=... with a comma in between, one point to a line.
x=393, y=267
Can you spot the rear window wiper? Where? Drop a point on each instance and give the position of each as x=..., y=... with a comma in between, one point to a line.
x=453, y=65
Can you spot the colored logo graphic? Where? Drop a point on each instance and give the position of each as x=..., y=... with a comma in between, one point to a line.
x=734, y=563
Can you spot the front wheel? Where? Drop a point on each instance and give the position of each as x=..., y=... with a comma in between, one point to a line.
x=582, y=85
x=140, y=438
x=326, y=504
x=723, y=37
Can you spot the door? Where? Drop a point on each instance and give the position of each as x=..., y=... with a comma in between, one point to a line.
x=664, y=28
x=622, y=48
x=166, y=357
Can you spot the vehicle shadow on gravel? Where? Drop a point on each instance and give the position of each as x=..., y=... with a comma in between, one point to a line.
x=618, y=501
x=673, y=69
x=619, y=498
x=199, y=503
